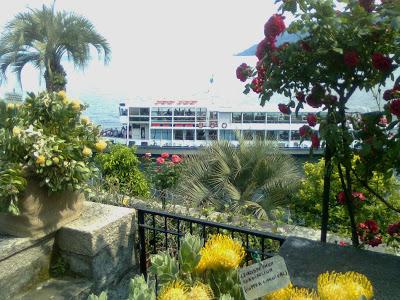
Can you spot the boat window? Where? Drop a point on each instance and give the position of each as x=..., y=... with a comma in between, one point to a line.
x=178, y=135
x=248, y=117
x=161, y=111
x=295, y=135
x=260, y=135
x=271, y=134
x=236, y=117
x=213, y=115
x=227, y=135
x=259, y=117
x=300, y=118
x=144, y=111
x=273, y=117
x=283, y=135
x=201, y=134
x=134, y=111
x=201, y=112
x=212, y=135
x=189, y=135
x=248, y=135
x=283, y=118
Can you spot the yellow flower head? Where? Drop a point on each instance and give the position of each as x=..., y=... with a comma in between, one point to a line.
x=40, y=160
x=349, y=286
x=292, y=293
x=174, y=291
x=87, y=151
x=62, y=94
x=56, y=160
x=16, y=131
x=85, y=120
x=125, y=201
x=200, y=291
x=100, y=146
x=76, y=105
x=220, y=252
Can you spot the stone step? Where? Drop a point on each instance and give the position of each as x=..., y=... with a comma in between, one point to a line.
x=59, y=289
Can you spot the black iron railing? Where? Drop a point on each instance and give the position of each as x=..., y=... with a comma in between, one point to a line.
x=161, y=231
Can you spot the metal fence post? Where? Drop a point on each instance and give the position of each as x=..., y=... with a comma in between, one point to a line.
x=142, y=244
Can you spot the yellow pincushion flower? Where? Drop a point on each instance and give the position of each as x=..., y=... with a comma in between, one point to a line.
x=16, y=131
x=174, y=291
x=87, y=151
x=292, y=293
x=349, y=286
x=200, y=291
x=100, y=146
x=62, y=94
x=76, y=105
x=220, y=252
x=40, y=160
x=85, y=120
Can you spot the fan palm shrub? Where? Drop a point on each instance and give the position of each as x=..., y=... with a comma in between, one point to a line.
x=43, y=37
x=255, y=176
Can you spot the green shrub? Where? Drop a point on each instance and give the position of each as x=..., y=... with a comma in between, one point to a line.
x=121, y=166
x=307, y=205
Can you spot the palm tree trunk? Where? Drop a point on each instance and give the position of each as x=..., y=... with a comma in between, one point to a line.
x=55, y=77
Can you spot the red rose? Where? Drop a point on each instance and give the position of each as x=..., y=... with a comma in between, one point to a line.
x=264, y=46
x=314, y=101
x=257, y=85
x=315, y=141
x=381, y=62
x=284, y=108
x=388, y=95
x=165, y=155
x=341, y=198
x=176, y=159
x=394, y=107
x=351, y=59
x=394, y=229
x=160, y=160
x=274, y=26
x=261, y=70
x=312, y=120
x=304, y=130
x=372, y=226
x=368, y=5
x=343, y=243
x=301, y=97
x=243, y=72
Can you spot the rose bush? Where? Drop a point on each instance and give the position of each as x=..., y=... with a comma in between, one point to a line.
x=46, y=139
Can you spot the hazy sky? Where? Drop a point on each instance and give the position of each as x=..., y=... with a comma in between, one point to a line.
x=159, y=47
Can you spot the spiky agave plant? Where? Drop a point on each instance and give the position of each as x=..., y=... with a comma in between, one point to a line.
x=256, y=176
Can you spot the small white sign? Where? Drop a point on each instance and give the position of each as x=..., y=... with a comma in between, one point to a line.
x=264, y=277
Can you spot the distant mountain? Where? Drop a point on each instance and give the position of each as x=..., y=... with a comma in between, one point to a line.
x=284, y=38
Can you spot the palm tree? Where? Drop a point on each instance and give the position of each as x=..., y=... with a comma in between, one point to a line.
x=43, y=38
x=255, y=176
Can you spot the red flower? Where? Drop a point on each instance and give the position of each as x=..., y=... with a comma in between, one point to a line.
x=301, y=97
x=305, y=46
x=274, y=26
x=312, y=120
x=257, y=85
x=176, y=159
x=394, y=229
x=330, y=100
x=394, y=107
x=165, y=155
x=341, y=197
x=260, y=70
x=284, y=108
x=381, y=62
x=314, y=101
x=388, y=95
x=370, y=225
x=351, y=59
x=359, y=195
x=304, y=130
x=315, y=141
x=243, y=72
x=343, y=243
x=160, y=160
x=368, y=5
x=375, y=241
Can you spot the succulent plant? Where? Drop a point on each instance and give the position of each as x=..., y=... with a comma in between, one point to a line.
x=165, y=267
x=139, y=289
x=102, y=296
x=189, y=252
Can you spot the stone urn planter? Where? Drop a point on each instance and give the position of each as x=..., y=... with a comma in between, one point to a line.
x=41, y=213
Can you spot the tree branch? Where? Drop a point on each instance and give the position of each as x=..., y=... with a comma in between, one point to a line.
x=373, y=192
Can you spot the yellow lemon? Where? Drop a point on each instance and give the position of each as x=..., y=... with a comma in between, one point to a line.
x=55, y=160
x=87, y=151
x=100, y=146
x=85, y=120
x=16, y=131
x=76, y=105
x=40, y=160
